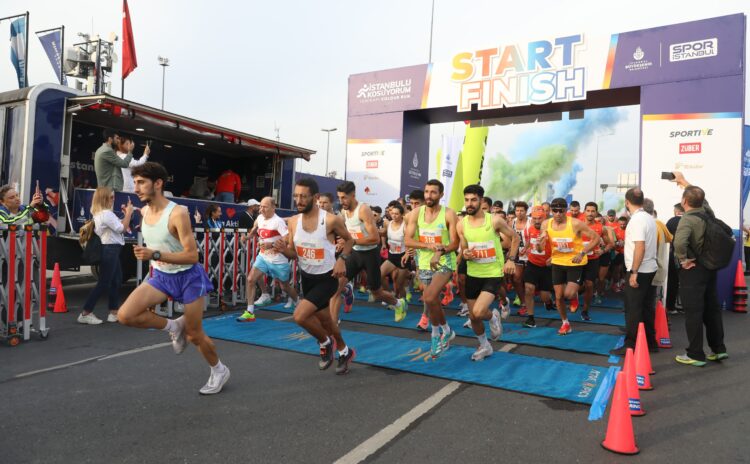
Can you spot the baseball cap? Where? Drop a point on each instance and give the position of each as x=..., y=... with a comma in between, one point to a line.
x=611, y=212
x=537, y=212
x=252, y=202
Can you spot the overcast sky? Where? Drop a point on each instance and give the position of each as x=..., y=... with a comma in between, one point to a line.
x=255, y=64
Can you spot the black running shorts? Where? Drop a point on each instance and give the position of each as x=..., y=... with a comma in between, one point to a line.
x=591, y=273
x=462, y=267
x=605, y=259
x=477, y=285
x=395, y=259
x=538, y=276
x=561, y=275
x=318, y=288
x=369, y=261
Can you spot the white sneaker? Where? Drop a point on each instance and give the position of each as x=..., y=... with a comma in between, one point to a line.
x=464, y=311
x=504, y=311
x=496, y=325
x=370, y=297
x=179, y=340
x=90, y=319
x=482, y=352
x=215, y=382
x=289, y=303
x=264, y=299
x=111, y=317
x=467, y=324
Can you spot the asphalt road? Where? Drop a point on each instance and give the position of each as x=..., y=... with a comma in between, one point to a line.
x=142, y=406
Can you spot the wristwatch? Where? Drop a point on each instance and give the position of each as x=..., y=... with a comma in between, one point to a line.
x=156, y=256
x=634, y=271
x=343, y=256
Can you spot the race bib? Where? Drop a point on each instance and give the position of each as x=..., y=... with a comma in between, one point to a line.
x=430, y=236
x=533, y=250
x=563, y=245
x=484, y=252
x=356, y=232
x=395, y=247
x=308, y=253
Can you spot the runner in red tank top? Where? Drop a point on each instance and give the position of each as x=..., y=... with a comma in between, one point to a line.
x=538, y=274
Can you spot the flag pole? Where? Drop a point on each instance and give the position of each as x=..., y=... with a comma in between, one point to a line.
x=26, y=54
x=62, y=54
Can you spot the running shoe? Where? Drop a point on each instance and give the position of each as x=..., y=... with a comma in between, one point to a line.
x=496, y=325
x=179, y=340
x=344, y=361
x=112, y=317
x=550, y=306
x=685, y=359
x=445, y=341
x=523, y=311
x=348, y=293
x=482, y=352
x=517, y=301
x=424, y=323
x=505, y=309
x=215, y=382
x=400, y=308
x=436, y=348
x=573, y=305
x=464, y=311
x=467, y=324
x=717, y=356
x=530, y=322
x=585, y=315
x=597, y=300
x=362, y=289
x=326, y=354
x=565, y=329
x=247, y=316
x=263, y=300
x=89, y=318
x=370, y=297
x=447, y=297
x=408, y=296
x=289, y=303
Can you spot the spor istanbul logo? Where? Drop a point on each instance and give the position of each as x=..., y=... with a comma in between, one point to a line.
x=640, y=63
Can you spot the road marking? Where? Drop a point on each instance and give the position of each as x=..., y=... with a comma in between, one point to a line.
x=286, y=318
x=508, y=347
x=61, y=366
x=380, y=439
x=136, y=350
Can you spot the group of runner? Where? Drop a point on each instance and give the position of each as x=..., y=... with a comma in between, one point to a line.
x=561, y=250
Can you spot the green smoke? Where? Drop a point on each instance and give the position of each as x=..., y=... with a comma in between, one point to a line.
x=522, y=179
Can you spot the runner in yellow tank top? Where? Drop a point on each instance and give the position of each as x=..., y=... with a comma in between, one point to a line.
x=568, y=256
x=438, y=271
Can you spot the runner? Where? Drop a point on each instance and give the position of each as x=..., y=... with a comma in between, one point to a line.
x=397, y=257
x=593, y=267
x=606, y=257
x=326, y=202
x=269, y=262
x=416, y=200
x=436, y=243
x=171, y=248
x=479, y=234
x=310, y=240
x=366, y=253
x=568, y=257
x=618, y=262
x=520, y=226
x=575, y=211
x=538, y=274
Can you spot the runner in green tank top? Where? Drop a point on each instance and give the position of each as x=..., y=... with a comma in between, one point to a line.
x=431, y=230
x=479, y=235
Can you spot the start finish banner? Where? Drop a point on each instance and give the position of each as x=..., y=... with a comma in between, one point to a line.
x=706, y=148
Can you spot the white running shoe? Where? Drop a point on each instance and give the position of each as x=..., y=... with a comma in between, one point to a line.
x=215, y=382
x=89, y=318
x=464, y=311
x=289, y=303
x=504, y=310
x=179, y=340
x=467, y=324
x=482, y=352
x=264, y=299
x=112, y=317
x=370, y=297
x=496, y=325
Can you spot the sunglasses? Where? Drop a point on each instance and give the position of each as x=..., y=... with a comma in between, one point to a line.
x=558, y=210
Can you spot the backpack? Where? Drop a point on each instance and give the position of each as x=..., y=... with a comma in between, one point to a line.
x=718, y=243
x=91, y=243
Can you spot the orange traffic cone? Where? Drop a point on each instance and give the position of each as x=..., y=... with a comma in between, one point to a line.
x=634, y=396
x=740, y=290
x=620, y=438
x=662, y=328
x=60, y=306
x=53, y=286
x=643, y=369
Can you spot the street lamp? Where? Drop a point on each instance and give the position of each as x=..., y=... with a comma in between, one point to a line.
x=596, y=166
x=328, y=145
x=163, y=62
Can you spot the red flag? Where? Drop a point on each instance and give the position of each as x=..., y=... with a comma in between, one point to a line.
x=129, y=61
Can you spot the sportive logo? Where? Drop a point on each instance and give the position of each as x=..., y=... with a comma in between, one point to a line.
x=384, y=91
x=691, y=133
x=640, y=64
x=697, y=49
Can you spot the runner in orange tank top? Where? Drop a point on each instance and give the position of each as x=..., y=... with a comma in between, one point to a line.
x=591, y=273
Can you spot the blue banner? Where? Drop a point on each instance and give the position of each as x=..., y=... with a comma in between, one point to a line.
x=52, y=44
x=18, y=50
x=746, y=168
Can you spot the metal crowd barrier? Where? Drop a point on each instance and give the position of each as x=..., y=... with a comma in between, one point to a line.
x=227, y=260
x=23, y=294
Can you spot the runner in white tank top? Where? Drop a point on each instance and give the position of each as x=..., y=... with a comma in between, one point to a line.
x=395, y=265
x=310, y=240
x=171, y=248
x=521, y=226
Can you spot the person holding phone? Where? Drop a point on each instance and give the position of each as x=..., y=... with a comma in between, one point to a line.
x=12, y=211
x=110, y=230
x=125, y=148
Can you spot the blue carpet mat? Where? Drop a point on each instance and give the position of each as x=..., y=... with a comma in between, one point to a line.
x=580, y=341
x=574, y=382
x=597, y=317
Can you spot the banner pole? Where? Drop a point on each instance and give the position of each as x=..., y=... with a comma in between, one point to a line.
x=26, y=54
x=62, y=54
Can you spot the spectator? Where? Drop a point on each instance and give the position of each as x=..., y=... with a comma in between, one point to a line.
x=247, y=218
x=13, y=212
x=228, y=187
x=107, y=165
x=746, y=233
x=213, y=216
x=697, y=284
x=640, y=261
x=109, y=228
x=663, y=239
x=673, y=276
x=124, y=149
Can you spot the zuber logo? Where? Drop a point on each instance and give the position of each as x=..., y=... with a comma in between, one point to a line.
x=372, y=164
x=690, y=148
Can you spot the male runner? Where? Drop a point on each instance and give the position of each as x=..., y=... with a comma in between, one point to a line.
x=416, y=200
x=618, y=263
x=538, y=273
x=326, y=202
x=269, y=228
x=171, y=247
x=365, y=256
x=520, y=225
x=575, y=211
x=479, y=234
x=593, y=267
x=310, y=240
x=569, y=256
x=436, y=243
